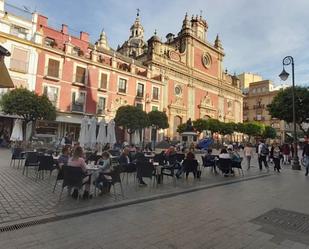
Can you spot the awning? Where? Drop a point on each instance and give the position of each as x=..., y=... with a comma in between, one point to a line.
x=5, y=79
x=289, y=134
x=69, y=118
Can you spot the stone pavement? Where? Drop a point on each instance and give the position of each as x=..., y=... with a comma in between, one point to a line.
x=24, y=198
x=215, y=218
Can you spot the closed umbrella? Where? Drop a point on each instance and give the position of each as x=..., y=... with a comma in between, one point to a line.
x=17, y=133
x=111, y=135
x=92, y=133
x=28, y=130
x=83, y=133
x=102, y=136
x=136, y=137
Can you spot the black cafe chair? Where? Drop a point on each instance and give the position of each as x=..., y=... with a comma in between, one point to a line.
x=18, y=156
x=46, y=163
x=190, y=166
x=32, y=160
x=72, y=179
x=146, y=170
x=225, y=165
x=114, y=178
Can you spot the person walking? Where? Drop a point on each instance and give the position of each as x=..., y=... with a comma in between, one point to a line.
x=248, y=152
x=286, y=153
x=306, y=157
x=275, y=154
x=263, y=151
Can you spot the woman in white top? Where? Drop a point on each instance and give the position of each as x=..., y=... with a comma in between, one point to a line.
x=248, y=153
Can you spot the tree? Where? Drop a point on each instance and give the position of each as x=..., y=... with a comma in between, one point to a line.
x=131, y=118
x=28, y=105
x=158, y=120
x=253, y=129
x=213, y=125
x=269, y=132
x=281, y=106
x=200, y=125
x=181, y=128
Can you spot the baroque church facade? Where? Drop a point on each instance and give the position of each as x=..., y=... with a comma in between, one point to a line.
x=190, y=67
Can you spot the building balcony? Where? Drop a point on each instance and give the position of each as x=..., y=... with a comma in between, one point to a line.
x=259, y=106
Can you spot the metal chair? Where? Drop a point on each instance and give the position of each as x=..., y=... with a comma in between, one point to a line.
x=114, y=179
x=72, y=178
x=190, y=166
x=46, y=163
x=225, y=165
x=146, y=169
x=17, y=155
x=32, y=160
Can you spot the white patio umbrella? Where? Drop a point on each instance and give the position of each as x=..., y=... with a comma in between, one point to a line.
x=111, y=135
x=28, y=130
x=83, y=133
x=17, y=133
x=102, y=136
x=92, y=133
x=136, y=139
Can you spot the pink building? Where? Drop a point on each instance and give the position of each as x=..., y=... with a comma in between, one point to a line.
x=81, y=78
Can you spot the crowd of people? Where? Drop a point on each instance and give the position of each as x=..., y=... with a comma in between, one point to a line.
x=131, y=156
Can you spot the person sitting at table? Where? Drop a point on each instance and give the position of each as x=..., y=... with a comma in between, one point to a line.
x=189, y=156
x=170, y=155
x=127, y=164
x=210, y=160
x=225, y=155
x=77, y=160
x=64, y=157
x=236, y=159
x=105, y=167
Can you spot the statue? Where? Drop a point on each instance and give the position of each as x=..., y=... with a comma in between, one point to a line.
x=189, y=126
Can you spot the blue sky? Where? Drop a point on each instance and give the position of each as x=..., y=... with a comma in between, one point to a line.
x=256, y=34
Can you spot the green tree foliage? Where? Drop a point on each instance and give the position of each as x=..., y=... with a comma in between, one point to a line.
x=213, y=125
x=253, y=129
x=281, y=106
x=200, y=125
x=28, y=105
x=158, y=119
x=226, y=128
x=181, y=128
x=269, y=132
x=131, y=118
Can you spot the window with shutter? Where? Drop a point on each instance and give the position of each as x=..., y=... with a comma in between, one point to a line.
x=155, y=93
x=53, y=68
x=103, y=83
x=52, y=94
x=80, y=76
x=140, y=90
x=101, y=105
x=78, y=101
x=122, y=86
x=19, y=60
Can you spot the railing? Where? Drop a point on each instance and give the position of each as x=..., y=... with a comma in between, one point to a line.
x=77, y=108
x=259, y=106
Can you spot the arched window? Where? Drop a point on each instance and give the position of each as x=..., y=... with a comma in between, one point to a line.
x=177, y=121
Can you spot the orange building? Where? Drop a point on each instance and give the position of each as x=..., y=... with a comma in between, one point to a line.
x=194, y=84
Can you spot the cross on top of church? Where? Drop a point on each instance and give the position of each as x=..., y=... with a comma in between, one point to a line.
x=138, y=10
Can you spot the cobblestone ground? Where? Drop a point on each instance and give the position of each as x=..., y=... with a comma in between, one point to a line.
x=219, y=218
x=23, y=197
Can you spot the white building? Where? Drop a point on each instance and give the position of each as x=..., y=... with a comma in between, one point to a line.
x=18, y=35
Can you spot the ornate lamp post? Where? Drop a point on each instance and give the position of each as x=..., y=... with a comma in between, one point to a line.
x=289, y=60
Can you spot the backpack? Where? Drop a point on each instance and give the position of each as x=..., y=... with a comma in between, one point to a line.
x=264, y=150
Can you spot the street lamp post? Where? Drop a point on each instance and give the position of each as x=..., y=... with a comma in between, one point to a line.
x=289, y=60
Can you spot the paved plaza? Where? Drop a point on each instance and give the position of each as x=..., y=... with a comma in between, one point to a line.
x=219, y=217
x=23, y=197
